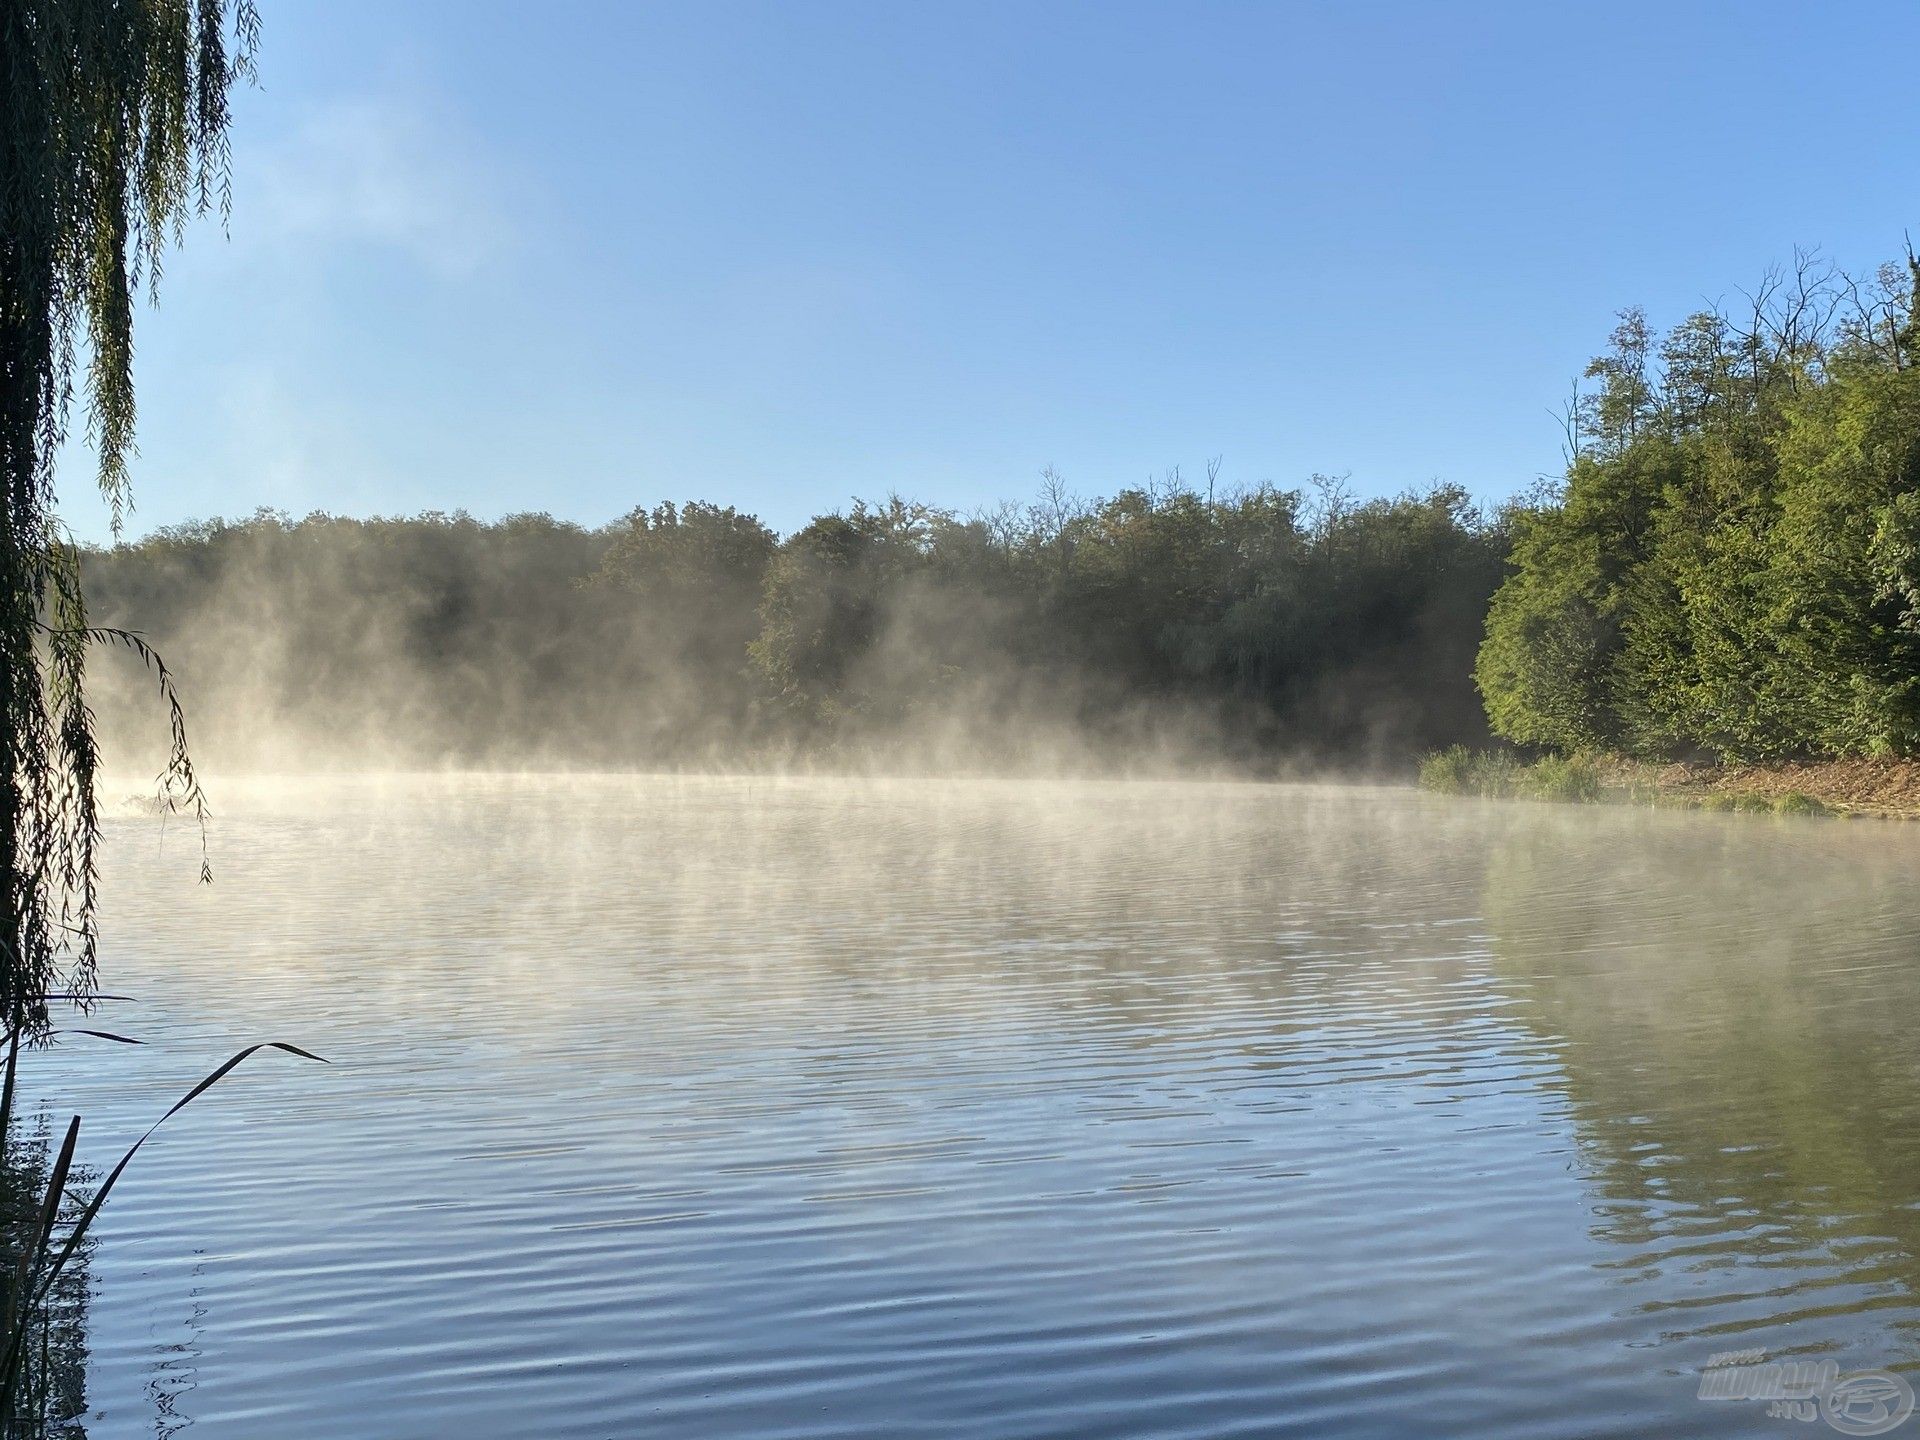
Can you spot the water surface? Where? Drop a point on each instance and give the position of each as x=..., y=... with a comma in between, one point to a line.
x=703, y=1108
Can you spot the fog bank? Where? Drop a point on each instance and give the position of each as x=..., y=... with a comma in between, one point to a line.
x=1164, y=629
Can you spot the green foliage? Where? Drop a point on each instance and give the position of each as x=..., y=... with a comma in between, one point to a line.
x=1448, y=771
x=115, y=115
x=1459, y=770
x=1796, y=803
x=1555, y=777
x=1500, y=775
x=1748, y=802
x=673, y=614
x=1232, y=625
x=830, y=601
x=1270, y=622
x=1730, y=567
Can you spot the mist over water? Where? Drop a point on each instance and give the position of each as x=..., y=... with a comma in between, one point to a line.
x=1162, y=631
x=809, y=1107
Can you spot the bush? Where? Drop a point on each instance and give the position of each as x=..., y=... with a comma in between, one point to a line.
x=1558, y=778
x=1457, y=770
x=1448, y=771
x=1498, y=774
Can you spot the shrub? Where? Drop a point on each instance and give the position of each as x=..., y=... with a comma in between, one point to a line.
x=1448, y=771
x=1560, y=778
x=1457, y=770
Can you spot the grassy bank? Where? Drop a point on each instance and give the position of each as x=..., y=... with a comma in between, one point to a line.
x=1502, y=775
x=1868, y=787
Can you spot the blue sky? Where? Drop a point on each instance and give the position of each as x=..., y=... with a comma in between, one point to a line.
x=578, y=257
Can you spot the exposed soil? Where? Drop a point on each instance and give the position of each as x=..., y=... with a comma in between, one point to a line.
x=1888, y=788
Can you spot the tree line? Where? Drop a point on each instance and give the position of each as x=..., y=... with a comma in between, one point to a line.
x=1731, y=567
x=1252, y=627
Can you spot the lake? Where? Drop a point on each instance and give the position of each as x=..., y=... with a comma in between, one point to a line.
x=807, y=1108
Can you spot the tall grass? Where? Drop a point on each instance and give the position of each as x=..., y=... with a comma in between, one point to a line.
x=47, y=1233
x=1556, y=777
x=51, y=1390
x=1501, y=775
x=1457, y=770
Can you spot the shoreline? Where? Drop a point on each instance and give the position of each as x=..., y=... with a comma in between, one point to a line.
x=1866, y=787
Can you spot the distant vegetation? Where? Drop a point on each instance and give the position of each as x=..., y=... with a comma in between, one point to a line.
x=1731, y=569
x=1167, y=620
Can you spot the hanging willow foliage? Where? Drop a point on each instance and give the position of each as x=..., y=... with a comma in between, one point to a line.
x=114, y=116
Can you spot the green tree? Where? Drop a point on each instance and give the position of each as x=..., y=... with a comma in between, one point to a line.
x=115, y=131
x=1227, y=625
x=1838, y=585
x=828, y=597
x=682, y=587
x=694, y=572
x=1554, y=630
x=1730, y=566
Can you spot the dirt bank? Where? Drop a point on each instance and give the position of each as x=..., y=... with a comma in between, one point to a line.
x=1888, y=788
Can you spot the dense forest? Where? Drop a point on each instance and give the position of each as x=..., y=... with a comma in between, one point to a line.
x=1168, y=624
x=1731, y=568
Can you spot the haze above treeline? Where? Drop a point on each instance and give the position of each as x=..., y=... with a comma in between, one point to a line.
x=1730, y=569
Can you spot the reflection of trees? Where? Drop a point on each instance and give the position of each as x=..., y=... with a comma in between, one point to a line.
x=176, y=1373
x=51, y=1395
x=1731, y=1007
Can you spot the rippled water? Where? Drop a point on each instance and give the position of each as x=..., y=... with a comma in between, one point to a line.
x=808, y=1108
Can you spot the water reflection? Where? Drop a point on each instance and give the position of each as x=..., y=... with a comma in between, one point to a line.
x=174, y=1372
x=50, y=1392
x=804, y=1109
x=1732, y=1015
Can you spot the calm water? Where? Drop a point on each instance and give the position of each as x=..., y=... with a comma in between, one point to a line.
x=792, y=1109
